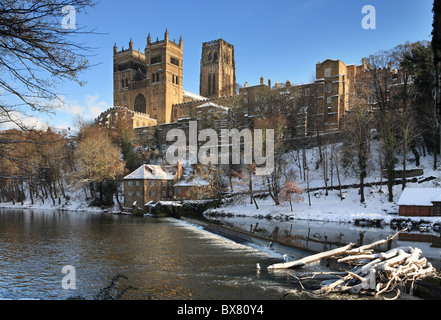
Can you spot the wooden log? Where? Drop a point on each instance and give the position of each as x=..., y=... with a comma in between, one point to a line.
x=374, y=274
x=375, y=244
x=311, y=259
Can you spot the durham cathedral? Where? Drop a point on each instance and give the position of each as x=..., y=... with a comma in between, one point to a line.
x=150, y=83
x=148, y=89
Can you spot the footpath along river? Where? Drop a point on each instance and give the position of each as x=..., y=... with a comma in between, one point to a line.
x=163, y=258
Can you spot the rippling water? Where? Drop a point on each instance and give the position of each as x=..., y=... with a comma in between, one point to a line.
x=162, y=258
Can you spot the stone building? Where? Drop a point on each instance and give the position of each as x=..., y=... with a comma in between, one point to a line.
x=151, y=81
x=325, y=100
x=218, y=69
x=116, y=116
x=150, y=184
x=191, y=189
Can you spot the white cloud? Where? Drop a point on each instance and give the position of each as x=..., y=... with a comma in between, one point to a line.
x=23, y=121
x=89, y=109
x=65, y=113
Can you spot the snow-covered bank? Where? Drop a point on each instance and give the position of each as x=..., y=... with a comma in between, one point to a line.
x=330, y=207
x=325, y=208
x=77, y=203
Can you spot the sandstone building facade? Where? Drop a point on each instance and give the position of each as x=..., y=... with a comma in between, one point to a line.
x=151, y=81
x=218, y=69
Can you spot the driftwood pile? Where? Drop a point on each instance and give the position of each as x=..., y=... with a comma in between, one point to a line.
x=371, y=273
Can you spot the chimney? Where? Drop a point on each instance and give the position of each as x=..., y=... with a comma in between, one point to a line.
x=277, y=85
x=269, y=83
x=262, y=80
x=288, y=83
x=246, y=85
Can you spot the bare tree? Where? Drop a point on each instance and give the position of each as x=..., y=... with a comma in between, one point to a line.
x=408, y=133
x=37, y=54
x=357, y=130
x=436, y=45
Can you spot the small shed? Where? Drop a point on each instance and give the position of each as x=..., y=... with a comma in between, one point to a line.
x=420, y=202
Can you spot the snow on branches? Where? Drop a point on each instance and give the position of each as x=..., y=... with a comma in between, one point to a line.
x=371, y=273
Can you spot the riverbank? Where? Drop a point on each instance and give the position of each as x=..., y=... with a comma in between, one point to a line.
x=428, y=288
x=375, y=211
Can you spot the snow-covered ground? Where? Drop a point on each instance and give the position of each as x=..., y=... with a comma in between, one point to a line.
x=331, y=207
x=77, y=202
x=323, y=208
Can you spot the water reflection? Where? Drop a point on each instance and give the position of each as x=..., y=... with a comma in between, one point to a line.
x=320, y=236
x=163, y=258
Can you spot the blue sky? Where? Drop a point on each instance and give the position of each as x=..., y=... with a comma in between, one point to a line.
x=280, y=39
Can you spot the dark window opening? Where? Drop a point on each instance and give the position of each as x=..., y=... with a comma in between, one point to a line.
x=140, y=104
x=214, y=84
x=174, y=61
x=436, y=209
x=156, y=59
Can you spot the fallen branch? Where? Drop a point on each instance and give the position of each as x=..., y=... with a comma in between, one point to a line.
x=375, y=244
x=374, y=274
x=311, y=259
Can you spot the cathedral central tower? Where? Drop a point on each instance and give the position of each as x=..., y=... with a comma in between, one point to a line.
x=218, y=69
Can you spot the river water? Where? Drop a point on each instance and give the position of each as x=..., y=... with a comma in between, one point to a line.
x=162, y=258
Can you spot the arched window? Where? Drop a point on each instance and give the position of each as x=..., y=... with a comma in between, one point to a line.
x=215, y=56
x=209, y=56
x=140, y=104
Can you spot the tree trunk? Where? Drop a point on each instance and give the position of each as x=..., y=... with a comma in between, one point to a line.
x=436, y=45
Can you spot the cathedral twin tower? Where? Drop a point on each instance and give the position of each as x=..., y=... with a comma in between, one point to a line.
x=151, y=82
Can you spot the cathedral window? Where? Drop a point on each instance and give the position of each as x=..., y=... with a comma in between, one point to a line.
x=215, y=56
x=174, y=61
x=156, y=59
x=214, y=84
x=140, y=104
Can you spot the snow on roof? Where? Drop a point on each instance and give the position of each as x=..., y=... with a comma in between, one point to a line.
x=193, y=182
x=211, y=104
x=149, y=172
x=193, y=95
x=419, y=196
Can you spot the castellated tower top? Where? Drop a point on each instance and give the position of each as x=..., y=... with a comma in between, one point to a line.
x=218, y=69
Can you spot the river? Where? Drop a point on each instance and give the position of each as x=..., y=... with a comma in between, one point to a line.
x=163, y=258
